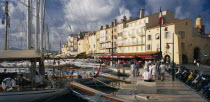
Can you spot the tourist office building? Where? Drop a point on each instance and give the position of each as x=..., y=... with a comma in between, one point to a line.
x=140, y=38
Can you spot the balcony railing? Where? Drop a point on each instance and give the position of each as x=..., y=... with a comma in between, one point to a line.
x=140, y=42
x=141, y=34
x=120, y=44
x=132, y=35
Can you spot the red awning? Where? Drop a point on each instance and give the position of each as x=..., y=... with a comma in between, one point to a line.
x=125, y=56
x=117, y=57
x=146, y=56
x=105, y=57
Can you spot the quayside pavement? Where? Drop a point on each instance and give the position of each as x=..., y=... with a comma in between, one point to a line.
x=158, y=91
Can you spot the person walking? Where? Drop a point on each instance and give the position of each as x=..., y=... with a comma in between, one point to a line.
x=195, y=62
x=162, y=71
x=146, y=65
x=133, y=69
x=153, y=71
x=137, y=68
x=150, y=67
x=198, y=63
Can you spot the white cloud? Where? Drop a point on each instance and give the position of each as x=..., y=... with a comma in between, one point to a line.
x=89, y=15
x=93, y=13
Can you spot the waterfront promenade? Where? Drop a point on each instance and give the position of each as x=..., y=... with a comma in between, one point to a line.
x=162, y=91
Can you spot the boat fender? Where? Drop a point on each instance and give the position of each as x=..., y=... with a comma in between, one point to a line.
x=8, y=84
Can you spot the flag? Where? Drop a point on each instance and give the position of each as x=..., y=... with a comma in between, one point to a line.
x=78, y=37
x=160, y=20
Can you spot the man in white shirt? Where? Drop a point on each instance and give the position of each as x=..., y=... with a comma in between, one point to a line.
x=153, y=71
x=162, y=71
x=38, y=80
x=147, y=76
x=133, y=69
x=146, y=65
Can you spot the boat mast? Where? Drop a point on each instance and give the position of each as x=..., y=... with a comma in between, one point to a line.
x=7, y=17
x=42, y=3
x=29, y=26
x=48, y=40
x=37, y=25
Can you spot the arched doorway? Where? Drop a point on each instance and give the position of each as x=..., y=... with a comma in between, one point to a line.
x=196, y=53
x=184, y=59
x=167, y=59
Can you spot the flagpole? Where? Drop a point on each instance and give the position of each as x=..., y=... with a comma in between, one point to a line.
x=160, y=36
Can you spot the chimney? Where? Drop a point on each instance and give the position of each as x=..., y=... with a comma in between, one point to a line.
x=112, y=24
x=115, y=22
x=101, y=28
x=107, y=26
x=130, y=18
x=141, y=13
x=124, y=18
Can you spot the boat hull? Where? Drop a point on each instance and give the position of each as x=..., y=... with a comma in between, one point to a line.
x=31, y=96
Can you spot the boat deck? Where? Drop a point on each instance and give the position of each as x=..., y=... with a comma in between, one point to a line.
x=93, y=91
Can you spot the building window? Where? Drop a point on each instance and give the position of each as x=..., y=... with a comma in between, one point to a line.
x=142, y=29
x=183, y=46
x=186, y=23
x=141, y=40
x=127, y=25
x=149, y=47
x=141, y=48
x=149, y=37
x=115, y=29
x=167, y=35
x=157, y=36
x=158, y=47
x=182, y=34
x=106, y=32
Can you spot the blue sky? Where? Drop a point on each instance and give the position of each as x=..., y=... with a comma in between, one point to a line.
x=89, y=15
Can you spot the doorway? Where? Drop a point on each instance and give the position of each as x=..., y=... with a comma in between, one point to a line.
x=196, y=53
x=167, y=59
x=184, y=59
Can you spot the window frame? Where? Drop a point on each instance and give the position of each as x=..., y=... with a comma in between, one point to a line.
x=149, y=37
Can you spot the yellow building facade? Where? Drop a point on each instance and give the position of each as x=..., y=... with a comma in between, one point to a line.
x=141, y=36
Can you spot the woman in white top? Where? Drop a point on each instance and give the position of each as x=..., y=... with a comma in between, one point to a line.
x=162, y=71
x=153, y=71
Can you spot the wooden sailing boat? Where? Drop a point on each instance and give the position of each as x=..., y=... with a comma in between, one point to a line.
x=30, y=94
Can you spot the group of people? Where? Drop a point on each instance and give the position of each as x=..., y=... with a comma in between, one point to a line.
x=153, y=71
x=19, y=82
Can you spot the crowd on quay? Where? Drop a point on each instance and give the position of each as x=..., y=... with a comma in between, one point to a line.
x=154, y=70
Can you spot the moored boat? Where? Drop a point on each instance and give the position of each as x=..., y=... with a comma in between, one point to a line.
x=31, y=96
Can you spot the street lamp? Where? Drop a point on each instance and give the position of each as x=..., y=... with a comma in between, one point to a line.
x=173, y=57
